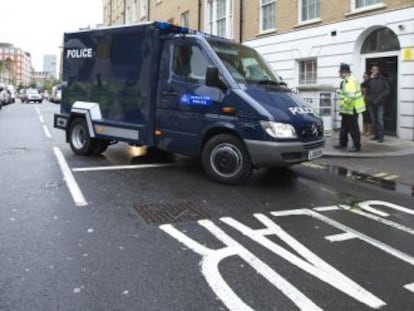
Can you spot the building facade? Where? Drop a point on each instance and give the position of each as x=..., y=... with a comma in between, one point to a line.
x=41, y=77
x=49, y=64
x=15, y=65
x=305, y=41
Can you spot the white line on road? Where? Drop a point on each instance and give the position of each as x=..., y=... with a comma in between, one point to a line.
x=37, y=110
x=122, y=167
x=340, y=237
x=387, y=222
x=326, y=208
x=391, y=177
x=73, y=187
x=46, y=130
x=410, y=287
x=382, y=174
x=41, y=119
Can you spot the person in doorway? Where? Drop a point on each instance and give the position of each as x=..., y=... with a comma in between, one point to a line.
x=351, y=104
x=377, y=91
x=368, y=128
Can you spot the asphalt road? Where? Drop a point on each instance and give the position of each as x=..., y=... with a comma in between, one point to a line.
x=164, y=237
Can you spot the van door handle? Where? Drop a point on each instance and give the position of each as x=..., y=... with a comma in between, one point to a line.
x=169, y=93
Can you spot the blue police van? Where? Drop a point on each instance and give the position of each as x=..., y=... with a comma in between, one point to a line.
x=175, y=90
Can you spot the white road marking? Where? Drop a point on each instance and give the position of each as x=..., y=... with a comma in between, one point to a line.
x=73, y=187
x=211, y=259
x=387, y=222
x=378, y=244
x=340, y=237
x=326, y=208
x=41, y=119
x=372, y=210
x=46, y=130
x=410, y=287
x=37, y=110
x=122, y=167
x=391, y=177
x=382, y=174
x=387, y=204
x=311, y=263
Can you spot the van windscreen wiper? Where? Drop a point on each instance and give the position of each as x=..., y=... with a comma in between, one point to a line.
x=271, y=82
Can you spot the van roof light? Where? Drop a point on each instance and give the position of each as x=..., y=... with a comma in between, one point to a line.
x=171, y=28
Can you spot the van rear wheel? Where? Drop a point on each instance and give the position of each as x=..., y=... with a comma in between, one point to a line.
x=79, y=139
x=226, y=160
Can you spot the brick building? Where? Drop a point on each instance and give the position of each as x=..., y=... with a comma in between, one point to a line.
x=16, y=65
x=305, y=40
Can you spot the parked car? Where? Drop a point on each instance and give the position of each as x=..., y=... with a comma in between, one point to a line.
x=33, y=95
x=56, y=95
x=4, y=95
x=12, y=92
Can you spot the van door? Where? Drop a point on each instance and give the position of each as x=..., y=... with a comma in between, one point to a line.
x=183, y=99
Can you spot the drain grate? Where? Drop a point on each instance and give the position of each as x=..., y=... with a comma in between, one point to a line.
x=170, y=212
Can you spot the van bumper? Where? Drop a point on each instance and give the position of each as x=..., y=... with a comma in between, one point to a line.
x=276, y=154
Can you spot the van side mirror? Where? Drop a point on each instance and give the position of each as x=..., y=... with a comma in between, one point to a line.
x=213, y=78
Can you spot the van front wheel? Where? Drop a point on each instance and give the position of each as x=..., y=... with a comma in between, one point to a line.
x=226, y=160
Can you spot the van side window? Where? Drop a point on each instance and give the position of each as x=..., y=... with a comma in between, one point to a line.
x=189, y=62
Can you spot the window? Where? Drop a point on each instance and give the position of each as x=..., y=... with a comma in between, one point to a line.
x=361, y=4
x=267, y=15
x=309, y=10
x=380, y=40
x=185, y=19
x=307, y=71
x=189, y=62
x=220, y=17
x=143, y=8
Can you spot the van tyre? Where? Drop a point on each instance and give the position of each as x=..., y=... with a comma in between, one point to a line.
x=79, y=139
x=226, y=160
x=100, y=146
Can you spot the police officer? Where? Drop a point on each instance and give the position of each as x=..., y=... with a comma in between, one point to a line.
x=351, y=104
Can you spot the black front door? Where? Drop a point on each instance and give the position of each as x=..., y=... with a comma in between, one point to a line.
x=388, y=67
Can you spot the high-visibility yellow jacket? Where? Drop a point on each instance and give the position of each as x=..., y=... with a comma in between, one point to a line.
x=351, y=100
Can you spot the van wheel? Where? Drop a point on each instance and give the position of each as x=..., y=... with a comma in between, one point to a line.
x=226, y=160
x=79, y=139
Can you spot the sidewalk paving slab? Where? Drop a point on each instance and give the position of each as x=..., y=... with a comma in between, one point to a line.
x=392, y=146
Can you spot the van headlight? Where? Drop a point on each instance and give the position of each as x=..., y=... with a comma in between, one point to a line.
x=278, y=130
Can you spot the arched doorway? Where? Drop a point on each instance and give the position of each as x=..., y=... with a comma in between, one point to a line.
x=381, y=48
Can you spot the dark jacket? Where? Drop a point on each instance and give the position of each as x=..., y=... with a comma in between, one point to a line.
x=376, y=90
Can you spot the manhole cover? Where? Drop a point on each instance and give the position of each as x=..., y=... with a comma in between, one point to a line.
x=171, y=212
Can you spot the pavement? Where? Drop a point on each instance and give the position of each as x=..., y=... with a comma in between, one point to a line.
x=389, y=163
x=392, y=146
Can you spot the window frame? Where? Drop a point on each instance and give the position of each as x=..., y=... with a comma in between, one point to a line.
x=366, y=7
x=301, y=21
x=211, y=18
x=143, y=9
x=261, y=7
x=186, y=15
x=303, y=81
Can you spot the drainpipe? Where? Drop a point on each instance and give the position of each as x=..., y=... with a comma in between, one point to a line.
x=110, y=12
x=241, y=22
x=125, y=12
x=199, y=15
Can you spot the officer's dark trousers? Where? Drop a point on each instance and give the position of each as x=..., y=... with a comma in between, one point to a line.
x=349, y=125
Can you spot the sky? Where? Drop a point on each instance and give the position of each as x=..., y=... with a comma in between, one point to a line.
x=37, y=26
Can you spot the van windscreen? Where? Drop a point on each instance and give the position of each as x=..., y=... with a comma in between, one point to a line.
x=244, y=63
